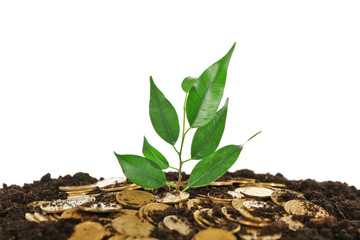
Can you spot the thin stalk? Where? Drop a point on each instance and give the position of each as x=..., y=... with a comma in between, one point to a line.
x=174, y=168
x=182, y=144
x=187, y=160
x=170, y=184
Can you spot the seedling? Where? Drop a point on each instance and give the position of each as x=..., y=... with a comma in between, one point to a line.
x=202, y=99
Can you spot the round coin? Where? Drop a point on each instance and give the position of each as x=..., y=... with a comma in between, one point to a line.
x=172, y=222
x=288, y=205
x=151, y=207
x=214, y=234
x=301, y=208
x=173, y=197
x=132, y=226
x=101, y=207
x=88, y=231
x=255, y=192
x=250, y=205
x=281, y=196
x=134, y=198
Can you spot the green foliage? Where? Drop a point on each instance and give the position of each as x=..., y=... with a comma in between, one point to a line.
x=202, y=99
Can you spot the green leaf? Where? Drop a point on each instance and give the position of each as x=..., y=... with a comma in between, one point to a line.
x=163, y=115
x=207, y=138
x=187, y=83
x=141, y=171
x=211, y=168
x=206, y=93
x=154, y=155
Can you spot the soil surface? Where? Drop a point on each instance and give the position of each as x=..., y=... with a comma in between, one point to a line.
x=341, y=201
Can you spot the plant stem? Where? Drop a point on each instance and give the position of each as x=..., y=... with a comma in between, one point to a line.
x=187, y=160
x=182, y=144
x=170, y=184
x=174, y=168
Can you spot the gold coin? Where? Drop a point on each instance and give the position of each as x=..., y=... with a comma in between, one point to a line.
x=242, y=220
x=255, y=192
x=307, y=208
x=242, y=180
x=132, y=226
x=293, y=225
x=181, y=226
x=214, y=234
x=142, y=214
x=40, y=217
x=221, y=183
x=110, y=181
x=77, y=188
x=257, y=236
x=173, y=197
x=62, y=205
x=72, y=213
x=238, y=204
x=197, y=217
x=101, y=207
x=134, y=198
x=118, y=237
x=114, y=189
x=194, y=204
x=37, y=203
x=151, y=207
x=81, y=192
x=30, y=217
x=123, y=212
x=205, y=212
x=88, y=231
x=288, y=205
x=279, y=196
x=269, y=184
x=251, y=205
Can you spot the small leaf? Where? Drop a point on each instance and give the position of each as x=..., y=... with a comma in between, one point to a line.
x=163, y=115
x=206, y=93
x=154, y=155
x=211, y=168
x=141, y=171
x=187, y=83
x=207, y=138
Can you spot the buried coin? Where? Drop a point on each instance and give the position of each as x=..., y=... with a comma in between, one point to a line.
x=251, y=205
x=255, y=234
x=281, y=196
x=242, y=180
x=181, y=226
x=88, y=231
x=255, y=192
x=100, y=207
x=241, y=219
x=123, y=212
x=302, y=207
x=132, y=226
x=30, y=217
x=288, y=205
x=238, y=204
x=173, y=197
x=62, y=205
x=151, y=208
x=221, y=183
x=214, y=234
x=134, y=198
x=293, y=225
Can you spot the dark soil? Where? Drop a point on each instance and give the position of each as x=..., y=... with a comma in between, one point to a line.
x=340, y=200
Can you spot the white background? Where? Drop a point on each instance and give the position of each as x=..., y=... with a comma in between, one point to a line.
x=74, y=82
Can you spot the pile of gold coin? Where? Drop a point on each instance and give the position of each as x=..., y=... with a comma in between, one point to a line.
x=240, y=208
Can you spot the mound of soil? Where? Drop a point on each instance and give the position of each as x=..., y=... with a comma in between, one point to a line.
x=341, y=201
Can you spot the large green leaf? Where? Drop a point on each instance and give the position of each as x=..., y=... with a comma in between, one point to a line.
x=141, y=171
x=187, y=83
x=163, y=115
x=206, y=93
x=154, y=155
x=207, y=138
x=211, y=168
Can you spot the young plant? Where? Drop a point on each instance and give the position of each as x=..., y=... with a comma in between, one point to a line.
x=202, y=99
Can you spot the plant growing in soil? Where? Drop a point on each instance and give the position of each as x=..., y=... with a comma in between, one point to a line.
x=202, y=99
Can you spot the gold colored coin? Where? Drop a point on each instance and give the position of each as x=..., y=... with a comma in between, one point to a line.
x=172, y=222
x=88, y=231
x=132, y=226
x=242, y=220
x=30, y=217
x=251, y=205
x=72, y=213
x=258, y=236
x=62, y=205
x=40, y=217
x=37, y=203
x=197, y=218
x=214, y=234
x=255, y=192
x=118, y=237
x=221, y=183
x=142, y=214
x=293, y=225
x=151, y=207
x=307, y=208
x=123, y=212
x=125, y=187
x=238, y=204
x=288, y=205
x=101, y=207
x=194, y=204
x=242, y=180
x=173, y=197
x=278, y=195
x=77, y=188
x=269, y=184
x=110, y=181
x=134, y=198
